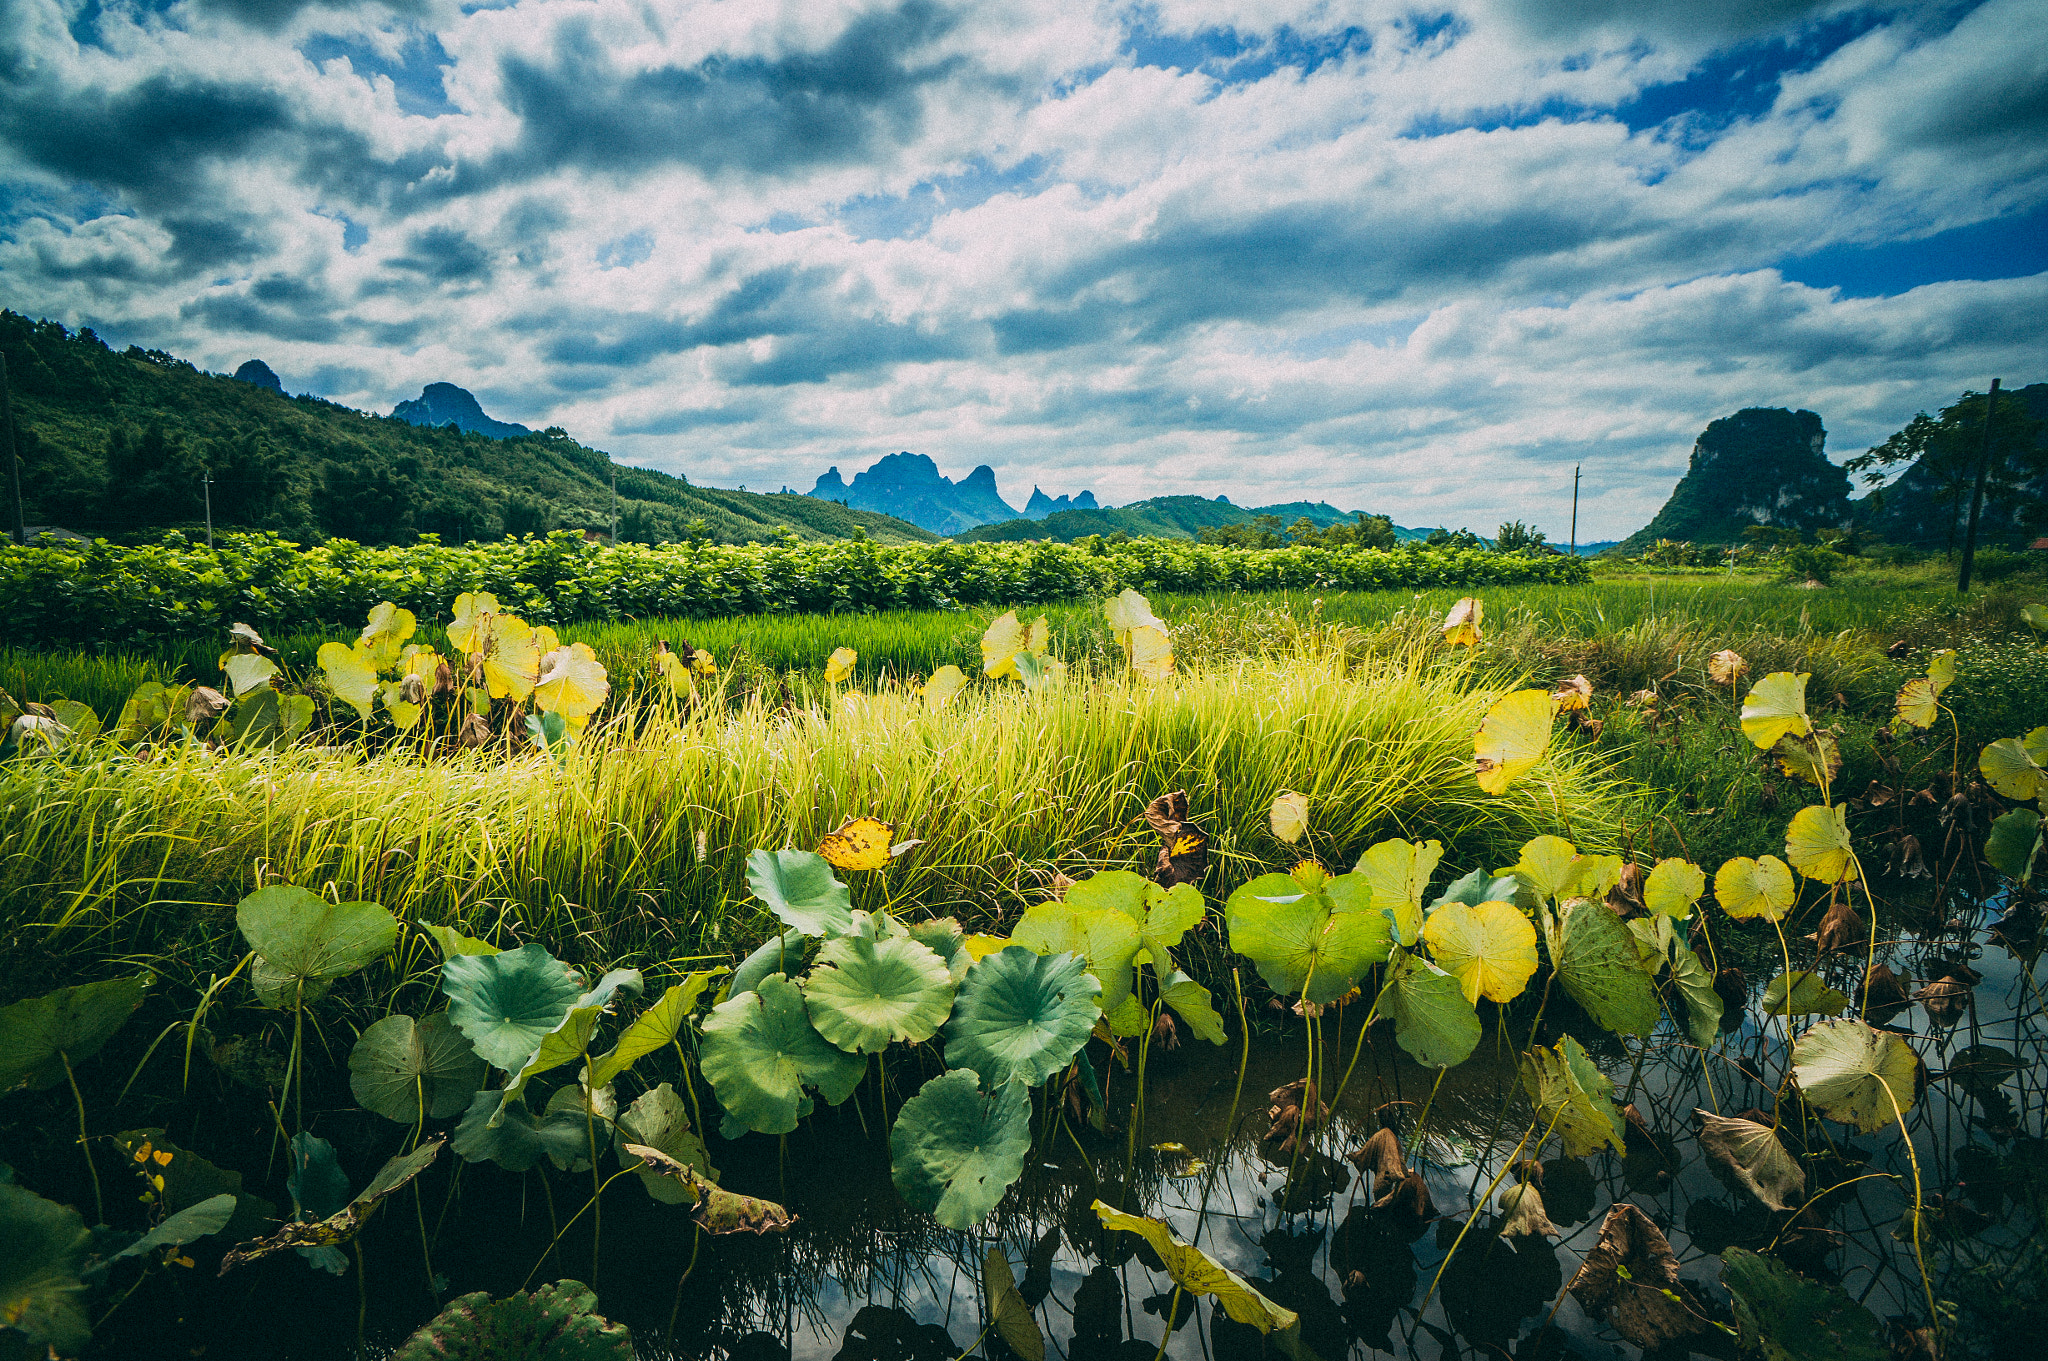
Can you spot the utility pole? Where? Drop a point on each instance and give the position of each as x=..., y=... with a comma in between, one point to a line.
x=13, y=463
x=615, y=505
x=1977, y=496
x=1575, y=510
x=206, y=486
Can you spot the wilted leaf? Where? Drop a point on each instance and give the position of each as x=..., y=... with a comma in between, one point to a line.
x=1726, y=667
x=555, y=1323
x=658, y=1119
x=1748, y=888
x=1013, y=1320
x=1569, y=1090
x=1776, y=706
x=1523, y=1214
x=954, y=1150
x=1289, y=816
x=1573, y=695
x=1817, y=844
x=344, y=1224
x=1512, y=738
x=1196, y=1272
x=1813, y=758
x=1749, y=1156
x=1001, y=644
x=1461, y=624
x=1630, y=1281
x=1855, y=1074
x=859, y=844
x=839, y=665
x=572, y=683
x=1918, y=704
x=717, y=1210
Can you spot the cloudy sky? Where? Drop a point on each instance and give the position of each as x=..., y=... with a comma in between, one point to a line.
x=1413, y=260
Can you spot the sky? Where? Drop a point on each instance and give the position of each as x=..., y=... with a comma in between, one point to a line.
x=1420, y=261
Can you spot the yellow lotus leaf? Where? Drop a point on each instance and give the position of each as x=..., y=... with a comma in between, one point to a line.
x=1512, y=738
x=425, y=663
x=1000, y=646
x=1289, y=816
x=946, y=682
x=1398, y=872
x=839, y=665
x=351, y=675
x=1726, y=667
x=1918, y=704
x=1776, y=706
x=248, y=671
x=677, y=672
x=1041, y=636
x=1817, y=844
x=1941, y=669
x=979, y=946
x=471, y=629
x=1813, y=758
x=2011, y=769
x=386, y=632
x=1489, y=948
x=859, y=844
x=1461, y=625
x=572, y=683
x=544, y=639
x=1673, y=887
x=1127, y=610
x=1151, y=654
x=1549, y=863
x=2036, y=744
x=405, y=715
x=1748, y=888
x=511, y=658
x=702, y=664
x=1575, y=693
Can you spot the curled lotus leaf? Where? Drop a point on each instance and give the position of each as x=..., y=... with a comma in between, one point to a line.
x=654, y=1028
x=799, y=888
x=1726, y=667
x=1432, y=1019
x=39, y=1036
x=1020, y=1014
x=1302, y=940
x=1461, y=626
x=1775, y=707
x=1489, y=948
x=865, y=995
x=1856, y=1074
x=303, y=942
x=43, y=1247
x=1597, y=965
x=345, y=1223
x=1817, y=844
x=1523, y=1214
x=507, y=1002
x=659, y=1119
x=1802, y=993
x=188, y=1225
x=782, y=954
x=1196, y=1272
x=1512, y=738
x=1013, y=1320
x=1748, y=888
x=1570, y=1092
x=839, y=666
x=1630, y=1281
x=716, y=1210
x=1190, y=1001
x=1786, y=1317
x=410, y=1071
x=351, y=675
x=1106, y=938
x=1703, y=1006
x=2012, y=765
x=955, y=1149
x=558, y=1322
x=759, y=1053
x=569, y=1039
x=1750, y=1157
x=520, y=1139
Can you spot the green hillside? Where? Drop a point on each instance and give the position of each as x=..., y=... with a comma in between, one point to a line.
x=1161, y=517
x=121, y=444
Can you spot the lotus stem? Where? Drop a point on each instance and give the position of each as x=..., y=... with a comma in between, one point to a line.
x=84, y=1140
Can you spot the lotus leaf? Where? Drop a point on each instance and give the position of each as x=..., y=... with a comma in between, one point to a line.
x=653, y=1028
x=303, y=942
x=1128, y=610
x=1802, y=993
x=1630, y=1282
x=520, y=1138
x=759, y=1053
x=839, y=665
x=717, y=1210
x=955, y=1150
x=1299, y=943
x=249, y=671
x=1130, y=1019
x=1673, y=887
x=798, y=887
x=2012, y=769
x=1776, y=706
x=1013, y=1320
x=571, y=682
x=1748, y=1156
x=1163, y=915
x=1551, y=866
x=945, y=683
x=557, y=1322
x=1817, y=844
x=1856, y=1074
x=1480, y=887
x=181, y=1179
x=149, y=709
x=1021, y=1014
x=1523, y=1214
x=566, y=1043
x=1196, y=1272
x=40, y=1035
x=267, y=719
x=1918, y=704
x=944, y=938
x=1432, y=1019
x=1000, y=646
x=43, y=1247
x=1461, y=624
x=865, y=995
x=1567, y=1089
x=505, y=1003
x=188, y=1225
x=1190, y=1001
x=1512, y=738
x=782, y=954
x=386, y=632
x=453, y=942
x=409, y=1071
x=659, y=1120
x=345, y=1223
x=1981, y=1069
x=859, y=844
x=471, y=626
x=2014, y=841
x=1151, y=654
x=351, y=674
x=1748, y=888
x=1398, y=873
x=1789, y=1318
x=511, y=658
x=1595, y=959
x=1105, y=938
x=1703, y=1006
x=1490, y=949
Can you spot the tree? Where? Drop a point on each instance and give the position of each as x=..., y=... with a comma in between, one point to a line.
x=1941, y=457
x=1447, y=538
x=1516, y=537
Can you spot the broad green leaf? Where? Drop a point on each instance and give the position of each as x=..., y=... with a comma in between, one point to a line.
x=1748, y=888
x=410, y=1071
x=2015, y=839
x=1299, y=943
x=1490, y=949
x=1130, y=1019
x=568, y=1042
x=955, y=1150
x=180, y=1179
x=1163, y=915
x=944, y=938
x=520, y=1138
x=1569, y=1090
x=760, y=1052
x=1432, y=1019
x=652, y=1029
x=40, y=1034
x=305, y=942
x=2009, y=767
x=1673, y=887
x=557, y=1322
x=1013, y=1320
x=865, y=995
x=1817, y=844
x=799, y=888
x=1596, y=964
x=1854, y=1073
x=452, y=942
x=1512, y=738
x=1190, y=1001
x=783, y=954
x=506, y=1002
x=1802, y=993
x=1787, y=1317
x=188, y=1225
x=1749, y=1156
x=659, y=1119
x=1399, y=872
x=1703, y=1006
x=249, y=671
x=1021, y=1014
x=43, y=1247
x=1105, y=937
x=149, y=710
x=1479, y=887
x=1776, y=706
x=1196, y=1272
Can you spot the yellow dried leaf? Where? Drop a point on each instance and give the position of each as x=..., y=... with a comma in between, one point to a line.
x=1000, y=646
x=1127, y=610
x=2013, y=770
x=1673, y=887
x=1041, y=636
x=572, y=683
x=946, y=682
x=1151, y=653
x=1776, y=706
x=1289, y=816
x=1461, y=625
x=840, y=664
x=511, y=658
x=1726, y=667
x=1817, y=844
x=350, y=675
x=1489, y=948
x=471, y=628
x=1941, y=669
x=1576, y=693
x=1512, y=739
x=1748, y=888
x=859, y=844
x=1918, y=704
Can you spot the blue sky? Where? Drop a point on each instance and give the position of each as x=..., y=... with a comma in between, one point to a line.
x=1421, y=260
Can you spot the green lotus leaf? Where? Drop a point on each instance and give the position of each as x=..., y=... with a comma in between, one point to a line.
x=1299, y=943
x=521, y=1138
x=1105, y=938
x=1433, y=1021
x=1131, y=1018
x=149, y=709
x=570, y=1039
x=1703, y=1006
x=1789, y=1318
x=865, y=995
x=944, y=938
x=1196, y=1272
x=1190, y=1001
x=410, y=1071
x=2014, y=841
x=317, y=1184
x=798, y=887
x=1480, y=887
x=659, y=1119
x=1021, y=1014
x=505, y=1003
x=955, y=1150
x=188, y=1225
x=1748, y=1156
x=783, y=954
x=1163, y=915
x=653, y=1028
x=1013, y=1320
x=1802, y=993
x=39, y=1035
x=43, y=1247
x=1854, y=1073
x=557, y=1322
x=303, y=942
x=760, y=1051
x=1596, y=962
x=452, y=942
x=1570, y=1092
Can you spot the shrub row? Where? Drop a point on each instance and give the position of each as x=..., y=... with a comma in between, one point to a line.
x=99, y=594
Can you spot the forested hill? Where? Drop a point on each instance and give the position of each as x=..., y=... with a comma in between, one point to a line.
x=121, y=443
x=1162, y=517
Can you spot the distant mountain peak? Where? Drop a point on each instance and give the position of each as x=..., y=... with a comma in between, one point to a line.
x=1760, y=466
x=446, y=404
x=911, y=487
x=259, y=373
x=1040, y=505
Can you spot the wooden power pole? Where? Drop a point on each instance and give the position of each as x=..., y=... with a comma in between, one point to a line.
x=1575, y=510
x=1977, y=496
x=13, y=462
